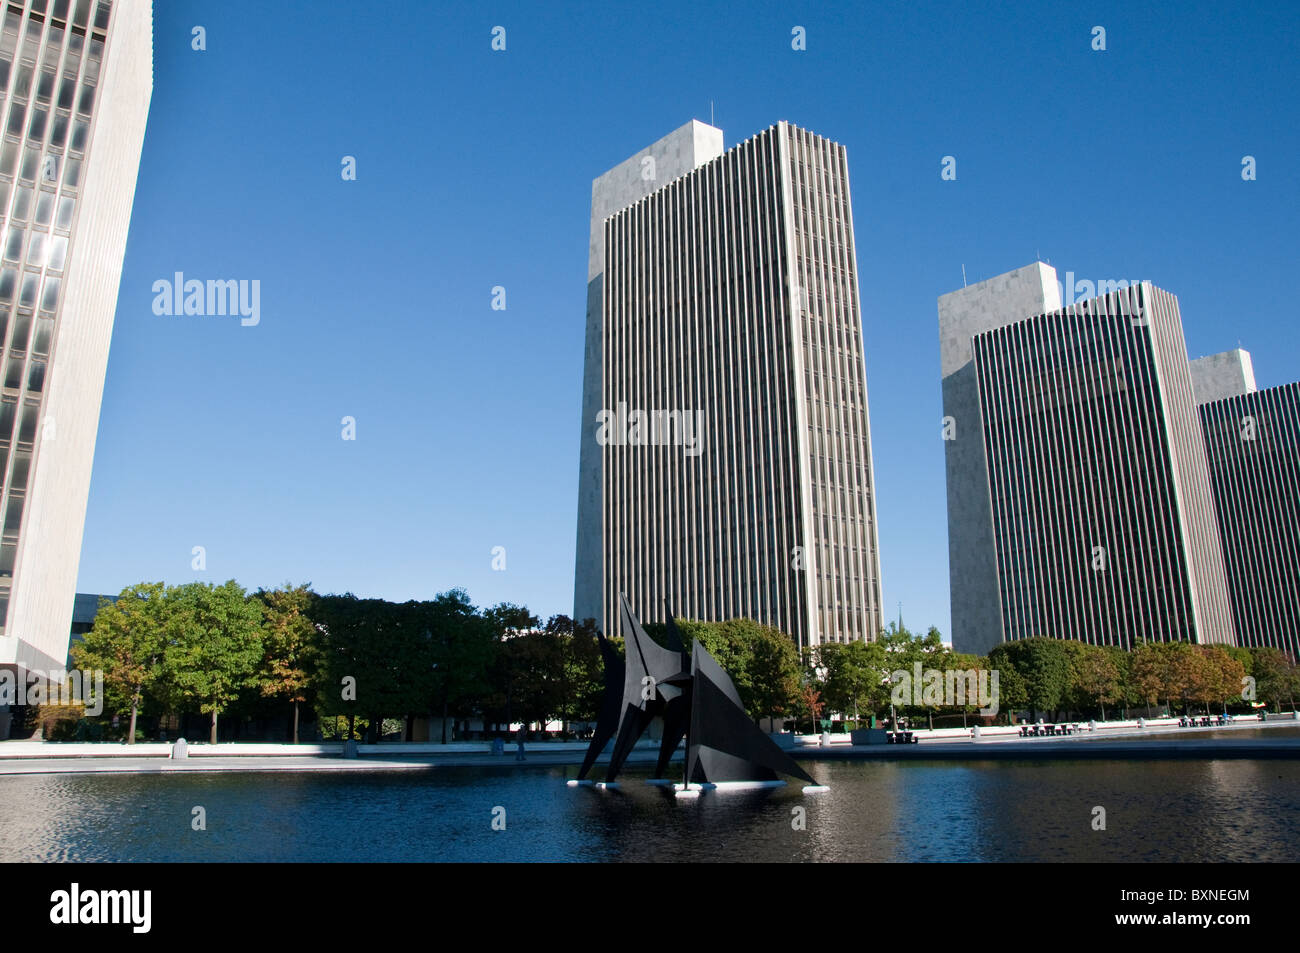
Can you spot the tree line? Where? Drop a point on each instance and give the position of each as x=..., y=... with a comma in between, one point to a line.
x=354, y=664
x=1058, y=677
x=217, y=649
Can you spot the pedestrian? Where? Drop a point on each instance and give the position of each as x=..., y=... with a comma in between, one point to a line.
x=519, y=751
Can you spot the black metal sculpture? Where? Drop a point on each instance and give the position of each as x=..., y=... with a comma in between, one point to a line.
x=695, y=698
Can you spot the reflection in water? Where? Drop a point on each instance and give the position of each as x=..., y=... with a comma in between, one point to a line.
x=887, y=811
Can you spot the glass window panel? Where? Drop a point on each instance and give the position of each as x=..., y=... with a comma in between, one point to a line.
x=14, y=373
x=22, y=328
x=79, y=132
x=50, y=296
x=67, y=90
x=22, y=203
x=14, y=244
x=8, y=411
x=44, y=208
x=36, y=128
x=31, y=164
x=50, y=168
x=82, y=16
x=59, y=131
x=87, y=100
x=44, y=335
x=27, y=295
x=19, y=470
x=58, y=252
x=14, y=516
x=45, y=86
x=8, y=279
x=23, y=84
x=9, y=157
x=5, y=66
x=66, y=206
x=36, y=377
x=72, y=173
x=27, y=424
x=60, y=9
x=31, y=410
x=17, y=113
x=8, y=553
x=53, y=45
x=101, y=16
x=36, y=250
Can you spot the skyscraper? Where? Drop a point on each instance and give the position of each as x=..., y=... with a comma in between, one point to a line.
x=726, y=455
x=1079, y=501
x=78, y=78
x=1253, y=440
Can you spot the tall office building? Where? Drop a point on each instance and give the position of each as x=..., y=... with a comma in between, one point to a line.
x=726, y=457
x=1079, y=501
x=78, y=76
x=1253, y=440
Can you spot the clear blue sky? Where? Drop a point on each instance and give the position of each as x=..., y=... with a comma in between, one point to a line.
x=474, y=170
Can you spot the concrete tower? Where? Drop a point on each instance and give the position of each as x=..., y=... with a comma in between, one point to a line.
x=1079, y=500
x=726, y=456
x=79, y=77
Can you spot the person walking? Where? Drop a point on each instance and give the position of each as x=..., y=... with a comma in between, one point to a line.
x=519, y=750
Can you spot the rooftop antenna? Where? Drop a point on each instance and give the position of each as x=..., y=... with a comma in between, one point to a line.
x=963, y=275
x=710, y=112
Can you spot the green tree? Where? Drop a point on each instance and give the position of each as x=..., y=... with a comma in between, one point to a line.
x=774, y=672
x=583, y=682
x=855, y=675
x=1043, y=664
x=1095, y=680
x=462, y=652
x=288, y=644
x=1275, y=677
x=1146, y=672
x=964, y=662
x=126, y=643
x=215, y=646
x=512, y=660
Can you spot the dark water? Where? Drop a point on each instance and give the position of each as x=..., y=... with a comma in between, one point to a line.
x=1035, y=811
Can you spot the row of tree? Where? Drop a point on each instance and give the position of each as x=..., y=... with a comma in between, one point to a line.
x=208, y=648
x=1062, y=676
x=215, y=649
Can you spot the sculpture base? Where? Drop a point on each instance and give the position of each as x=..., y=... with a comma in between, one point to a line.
x=694, y=790
x=814, y=788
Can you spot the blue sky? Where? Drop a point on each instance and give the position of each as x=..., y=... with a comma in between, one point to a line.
x=474, y=169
